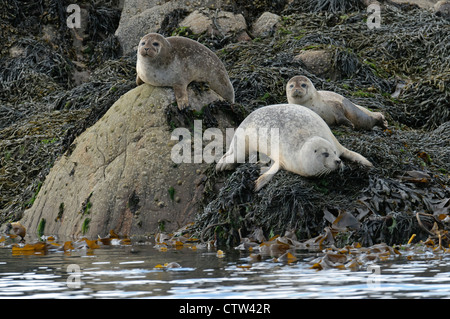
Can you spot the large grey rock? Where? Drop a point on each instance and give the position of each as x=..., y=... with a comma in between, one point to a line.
x=266, y=24
x=119, y=173
x=214, y=22
x=140, y=17
x=442, y=9
x=318, y=62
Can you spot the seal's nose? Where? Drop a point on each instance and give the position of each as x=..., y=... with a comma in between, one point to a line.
x=338, y=162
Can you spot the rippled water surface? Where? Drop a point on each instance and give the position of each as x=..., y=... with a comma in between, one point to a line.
x=129, y=272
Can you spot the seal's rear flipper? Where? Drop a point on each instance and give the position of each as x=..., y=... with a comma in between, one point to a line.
x=342, y=120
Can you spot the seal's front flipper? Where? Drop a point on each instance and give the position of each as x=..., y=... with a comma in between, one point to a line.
x=181, y=95
x=355, y=157
x=227, y=161
x=267, y=176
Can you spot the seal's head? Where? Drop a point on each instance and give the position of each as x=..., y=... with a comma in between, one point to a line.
x=319, y=157
x=299, y=89
x=152, y=45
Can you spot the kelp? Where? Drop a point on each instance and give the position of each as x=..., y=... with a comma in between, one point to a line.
x=333, y=6
x=28, y=149
x=411, y=159
x=37, y=71
x=102, y=23
x=50, y=245
x=405, y=180
x=260, y=69
x=42, y=111
x=409, y=47
x=253, y=9
x=179, y=240
x=355, y=256
x=42, y=106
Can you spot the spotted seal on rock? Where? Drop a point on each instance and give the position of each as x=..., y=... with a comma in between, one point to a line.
x=332, y=107
x=306, y=145
x=178, y=61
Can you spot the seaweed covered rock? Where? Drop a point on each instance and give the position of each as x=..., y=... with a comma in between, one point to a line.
x=141, y=17
x=119, y=173
x=318, y=62
x=383, y=201
x=410, y=175
x=266, y=24
x=224, y=24
x=54, y=83
x=400, y=69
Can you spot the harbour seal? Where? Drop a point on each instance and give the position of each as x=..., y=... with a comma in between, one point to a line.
x=178, y=61
x=17, y=229
x=306, y=145
x=332, y=107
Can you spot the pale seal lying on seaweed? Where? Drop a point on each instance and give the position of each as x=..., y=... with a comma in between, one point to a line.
x=332, y=107
x=178, y=61
x=306, y=145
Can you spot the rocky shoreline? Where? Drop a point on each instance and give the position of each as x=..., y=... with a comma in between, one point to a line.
x=85, y=151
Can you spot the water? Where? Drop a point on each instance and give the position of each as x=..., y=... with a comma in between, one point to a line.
x=129, y=272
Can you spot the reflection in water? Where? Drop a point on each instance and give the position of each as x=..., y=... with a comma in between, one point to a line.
x=133, y=272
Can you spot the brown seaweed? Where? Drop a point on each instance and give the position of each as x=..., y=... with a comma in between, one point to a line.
x=42, y=110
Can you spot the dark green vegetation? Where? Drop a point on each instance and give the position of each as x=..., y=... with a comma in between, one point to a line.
x=411, y=159
x=46, y=97
x=46, y=100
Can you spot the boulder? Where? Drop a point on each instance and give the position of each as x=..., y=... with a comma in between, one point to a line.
x=266, y=24
x=214, y=22
x=442, y=9
x=318, y=62
x=141, y=17
x=119, y=173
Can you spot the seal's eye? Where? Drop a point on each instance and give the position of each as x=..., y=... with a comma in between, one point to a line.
x=326, y=154
x=156, y=44
x=143, y=43
x=304, y=85
x=291, y=86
